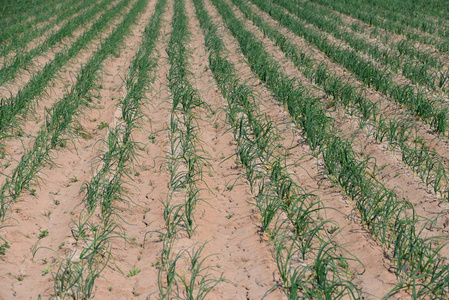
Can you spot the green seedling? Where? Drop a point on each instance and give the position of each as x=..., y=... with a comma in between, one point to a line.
x=102, y=125
x=43, y=234
x=133, y=272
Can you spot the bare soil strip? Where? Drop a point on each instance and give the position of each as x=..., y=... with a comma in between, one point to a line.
x=227, y=221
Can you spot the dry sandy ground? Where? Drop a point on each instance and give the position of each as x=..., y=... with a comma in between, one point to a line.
x=227, y=223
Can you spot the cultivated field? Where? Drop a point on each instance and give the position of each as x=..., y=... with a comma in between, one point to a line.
x=224, y=149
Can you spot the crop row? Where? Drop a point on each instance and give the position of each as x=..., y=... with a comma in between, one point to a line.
x=186, y=161
x=288, y=213
x=17, y=13
x=60, y=116
x=20, y=103
x=104, y=196
x=370, y=18
x=23, y=59
x=418, y=73
x=404, y=46
x=419, y=19
x=399, y=131
x=390, y=220
x=185, y=165
x=419, y=104
x=16, y=37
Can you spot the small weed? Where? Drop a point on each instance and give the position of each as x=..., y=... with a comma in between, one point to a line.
x=3, y=248
x=102, y=125
x=83, y=133
x=133, y=272
x=43, y=234
x=156, y=264
x=47, y=270
x=332, y=230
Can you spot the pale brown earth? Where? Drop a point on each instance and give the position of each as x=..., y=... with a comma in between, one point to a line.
x=227, y=223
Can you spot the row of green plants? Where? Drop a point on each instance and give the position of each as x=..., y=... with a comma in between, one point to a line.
x=185, y=164
x=19, y=104
x=187, y=159
x=23, y=59
x=17, y=12
x=395, y=12
x=19, y=15
x=419, y=73
x=428, y=108
x=415, y=259
x=415, y=8
x=104, y=194
x=416, y=101
x=404, y=46
x=11, y=8
x=371, y=18
x=289, y=215
x=17, y=36
x=400, y=131
x=60, y=116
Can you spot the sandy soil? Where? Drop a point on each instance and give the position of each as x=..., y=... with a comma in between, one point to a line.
x=226, y=221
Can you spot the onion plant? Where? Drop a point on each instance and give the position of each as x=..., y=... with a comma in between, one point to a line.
x=60, y=116
x=400, y=131
x=390, y=219
x=75, y=278
x=430, y=110
x=20, y=103
x=288, y=214
x=23, y=58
